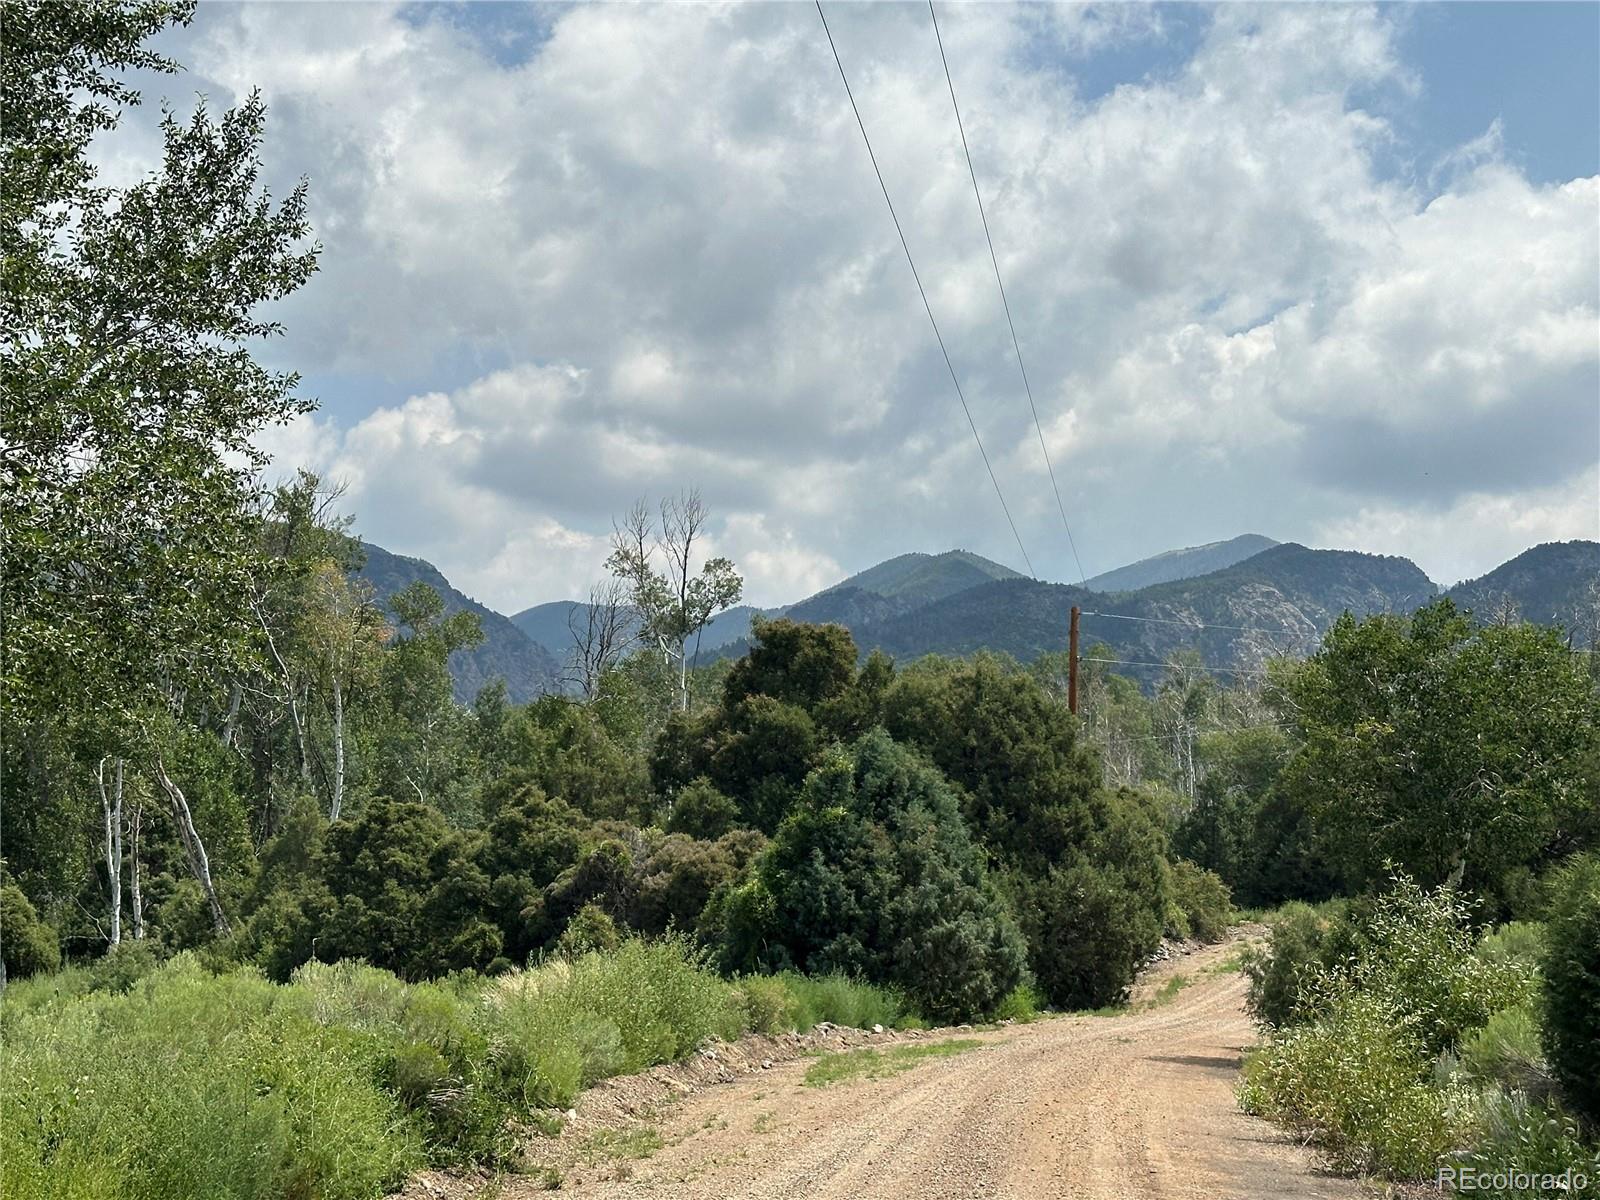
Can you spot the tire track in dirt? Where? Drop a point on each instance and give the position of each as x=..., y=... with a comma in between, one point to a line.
x=1138, y=1106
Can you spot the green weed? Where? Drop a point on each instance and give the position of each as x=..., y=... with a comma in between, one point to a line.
x=849, y=1065
x=1169, y=990
x=639, y=1141
x=168, y=1081
x=1021, y=1003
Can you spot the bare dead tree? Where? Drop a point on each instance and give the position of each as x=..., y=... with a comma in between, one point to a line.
x=683, y=527
x=603, y=631
x=1504, y=612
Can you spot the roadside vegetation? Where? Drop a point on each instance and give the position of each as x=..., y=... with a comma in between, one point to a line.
x=1403, y=1037
x=346, y=1078
x=281, y=914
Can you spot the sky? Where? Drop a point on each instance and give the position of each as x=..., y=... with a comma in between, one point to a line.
x=1329, y=273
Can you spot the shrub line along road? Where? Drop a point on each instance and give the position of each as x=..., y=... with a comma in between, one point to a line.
x=1075, y=1108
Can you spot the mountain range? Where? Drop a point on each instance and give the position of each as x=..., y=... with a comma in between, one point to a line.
x=1235, y=602
x=528, y=668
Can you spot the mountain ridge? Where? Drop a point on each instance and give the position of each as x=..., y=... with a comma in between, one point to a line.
x=1279, y=600
x=528, y=668
x=1172, y=565
x=1551, y=583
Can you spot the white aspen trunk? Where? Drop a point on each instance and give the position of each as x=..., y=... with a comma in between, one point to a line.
x=300, y=732
x=338, y=751
x=135, y=884
x=111, y=809
x=289, y=695
x=230, y=724
x=683, y=675
x=192, y=845
x=299, y=727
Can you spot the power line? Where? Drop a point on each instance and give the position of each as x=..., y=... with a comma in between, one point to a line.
x=1186, y=624
x=1130, y=662
x=906, y=246
x=994, y=258
x=1182, y=733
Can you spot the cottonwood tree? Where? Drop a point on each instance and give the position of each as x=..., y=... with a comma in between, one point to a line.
x=673, y=602
x=1113, y=714
x=425, y=742
x=1183, y=701
x=1454, y=751
x=346, y=634
x=111, y=809
x=321, y=627
x=127, y=468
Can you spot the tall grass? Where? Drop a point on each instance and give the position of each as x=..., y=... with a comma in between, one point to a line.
x=1353, y=1081
x=790, y=1001
x=341, y=1082
x=562, y=1026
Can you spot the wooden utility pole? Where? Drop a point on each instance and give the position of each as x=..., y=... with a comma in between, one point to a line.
x=1072, y=663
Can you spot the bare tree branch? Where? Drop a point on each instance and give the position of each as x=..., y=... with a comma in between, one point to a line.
x=603, y=630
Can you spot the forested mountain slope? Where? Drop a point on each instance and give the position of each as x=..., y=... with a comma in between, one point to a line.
x=896, y=585
x=919, y=578
x=527, y=667
x=1557, y=583
x=1277, y=602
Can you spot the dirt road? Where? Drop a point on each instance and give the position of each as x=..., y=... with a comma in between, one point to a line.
x=1075, y=1108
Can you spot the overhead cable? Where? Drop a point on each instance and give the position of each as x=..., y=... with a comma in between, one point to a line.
x=995, y=260
x=904, y=245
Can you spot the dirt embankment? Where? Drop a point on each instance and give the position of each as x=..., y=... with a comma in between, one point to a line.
x=1138, y=1105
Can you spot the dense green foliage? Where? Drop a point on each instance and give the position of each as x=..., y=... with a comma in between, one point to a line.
x=1249, y=828
x=343, y=1080
x=1202, y=901
x=30, y=945
x=1404, y=1040
x=1572, y=984
x=132, y=399
x=873, y=874
x=1304, y=945
x=1456, y=752
x=1084, y=864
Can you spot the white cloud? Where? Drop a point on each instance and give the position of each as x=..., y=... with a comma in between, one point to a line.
x=661, y=234
x=1478, y=531
x=778, y=568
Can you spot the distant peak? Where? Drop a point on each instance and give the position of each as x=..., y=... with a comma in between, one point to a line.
x=1185, y=563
